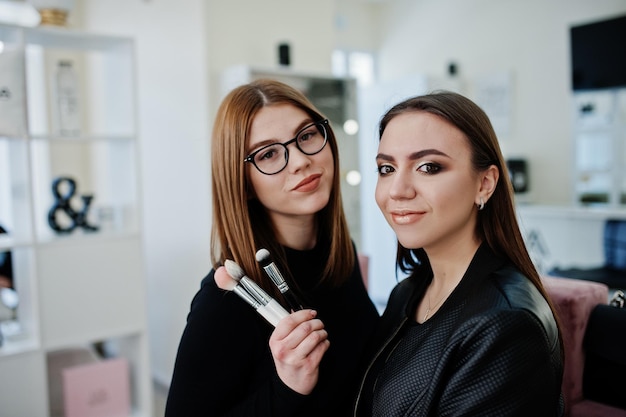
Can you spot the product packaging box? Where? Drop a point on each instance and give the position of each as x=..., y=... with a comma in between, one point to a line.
x=100, y=389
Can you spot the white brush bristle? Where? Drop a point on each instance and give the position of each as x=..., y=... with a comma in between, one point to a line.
x=233, y=269
x=262, y=255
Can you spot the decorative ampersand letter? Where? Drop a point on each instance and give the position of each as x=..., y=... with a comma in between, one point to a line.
x=62, y=203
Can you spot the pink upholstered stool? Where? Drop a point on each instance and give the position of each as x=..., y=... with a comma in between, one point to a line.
x=574, y=299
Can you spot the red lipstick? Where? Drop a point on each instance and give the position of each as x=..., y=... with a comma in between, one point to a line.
x=310, y=183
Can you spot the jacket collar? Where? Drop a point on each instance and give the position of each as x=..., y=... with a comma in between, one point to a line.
x=483, y=264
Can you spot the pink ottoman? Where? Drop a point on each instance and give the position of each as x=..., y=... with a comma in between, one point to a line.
x=573, y=300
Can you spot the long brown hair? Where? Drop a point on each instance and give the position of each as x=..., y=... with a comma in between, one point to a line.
x=241, y=225
x=497, y=222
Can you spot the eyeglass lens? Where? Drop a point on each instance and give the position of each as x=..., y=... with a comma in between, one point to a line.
x=273, y=158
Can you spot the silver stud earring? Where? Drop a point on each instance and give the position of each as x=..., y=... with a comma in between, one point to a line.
x=481, y=205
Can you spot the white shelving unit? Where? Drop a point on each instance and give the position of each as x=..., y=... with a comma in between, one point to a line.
x=600, y=147
x=82, y=288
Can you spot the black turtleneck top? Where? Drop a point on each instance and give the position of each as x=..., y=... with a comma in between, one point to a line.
x=224, y=365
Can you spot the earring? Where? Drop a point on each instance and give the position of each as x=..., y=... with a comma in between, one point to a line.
x=481, y=205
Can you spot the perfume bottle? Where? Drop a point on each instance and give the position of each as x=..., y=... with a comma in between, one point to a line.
x=67, y=99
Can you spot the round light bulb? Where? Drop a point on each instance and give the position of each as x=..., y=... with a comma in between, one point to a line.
x=351, y=126
x=353, y=178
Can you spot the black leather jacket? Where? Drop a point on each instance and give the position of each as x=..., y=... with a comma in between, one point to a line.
x=492, y=349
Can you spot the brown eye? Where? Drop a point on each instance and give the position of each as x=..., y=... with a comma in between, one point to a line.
x=429, y=168
x=268, y=153
x=385, y=169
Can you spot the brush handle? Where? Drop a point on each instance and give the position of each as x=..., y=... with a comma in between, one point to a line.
x=264, y=298
x=277, y=309
x=243, y=294
x=254, y=290
x=292, y=301
x=269, y=315
x=277, y=278
x=254, y=295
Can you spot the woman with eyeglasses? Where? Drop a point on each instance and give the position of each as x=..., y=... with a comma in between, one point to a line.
x=275, y=179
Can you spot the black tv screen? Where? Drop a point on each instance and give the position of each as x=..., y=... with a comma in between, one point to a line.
x=598, y=54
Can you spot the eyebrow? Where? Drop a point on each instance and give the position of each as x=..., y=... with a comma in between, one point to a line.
x=265, y=142
x=413, y=156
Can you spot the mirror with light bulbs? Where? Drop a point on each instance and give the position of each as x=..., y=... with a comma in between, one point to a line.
x=336, y=98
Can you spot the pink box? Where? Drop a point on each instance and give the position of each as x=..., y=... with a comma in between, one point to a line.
x=100, y=389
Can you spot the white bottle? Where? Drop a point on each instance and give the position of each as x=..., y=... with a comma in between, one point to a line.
x=68, y=110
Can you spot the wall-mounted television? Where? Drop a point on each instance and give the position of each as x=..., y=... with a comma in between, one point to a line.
x=598, y=54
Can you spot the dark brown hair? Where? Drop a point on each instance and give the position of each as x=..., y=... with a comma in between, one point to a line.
x=497, y=222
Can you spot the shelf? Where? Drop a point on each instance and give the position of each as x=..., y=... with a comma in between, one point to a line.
x=61, y=38
x=15, y=199
x=600, y=147
x=23, y=385
x=98, y=352
x=103, y=170
x=80, y=237
x=97, y=83
x=15, y=345
x=82, y=138
x=10, y=35
x=105, y=274
x=23, y=332
x=70, y=202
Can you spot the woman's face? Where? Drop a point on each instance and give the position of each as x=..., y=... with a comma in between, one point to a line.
x=303, y=187
x=427, y=188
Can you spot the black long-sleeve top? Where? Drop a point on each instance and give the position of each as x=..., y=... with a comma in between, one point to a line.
x=224, y=365
x=492, y=349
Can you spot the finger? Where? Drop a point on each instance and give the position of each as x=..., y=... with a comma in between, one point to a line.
x=294, y=350
x=314, y=343
x=297, y=334
x=302, y=376
x=305, y=360
x=286, y=326
x=315, y=356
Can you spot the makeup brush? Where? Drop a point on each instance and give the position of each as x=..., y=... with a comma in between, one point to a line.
x=254, y=290
x=263, y=258
x=227, y=283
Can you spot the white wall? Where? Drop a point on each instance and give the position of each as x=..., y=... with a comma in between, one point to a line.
x=357, y=24
x=528, y=40
x=183, y=45
x=248, y=32
x=173, y=128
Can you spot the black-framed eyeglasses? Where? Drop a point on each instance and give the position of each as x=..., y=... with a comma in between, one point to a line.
x=273, y=158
